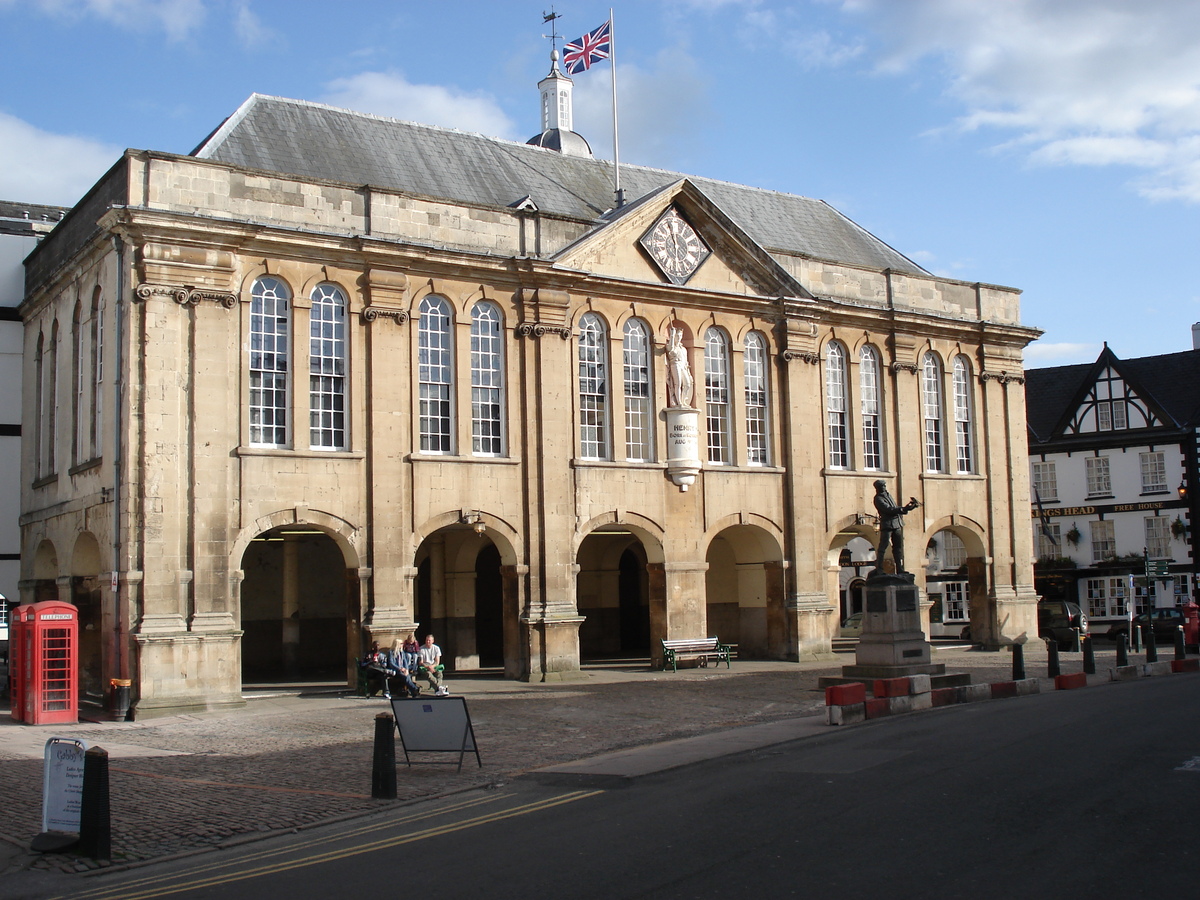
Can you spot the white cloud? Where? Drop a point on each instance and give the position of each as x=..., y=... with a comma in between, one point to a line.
x=249, y=28
x=1042, y=353
x=39, y=167
x=178, y=18
x=1080, y=82
x=391, y=94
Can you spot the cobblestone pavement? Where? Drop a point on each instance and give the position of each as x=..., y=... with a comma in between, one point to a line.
x=292, y=759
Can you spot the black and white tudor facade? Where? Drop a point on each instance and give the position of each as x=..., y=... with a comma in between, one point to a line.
x=1113, y=463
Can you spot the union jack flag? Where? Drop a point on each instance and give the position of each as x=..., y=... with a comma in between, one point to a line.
x=594, y=46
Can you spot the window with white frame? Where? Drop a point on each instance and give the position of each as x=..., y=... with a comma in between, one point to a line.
x=754, y=372
x=593, y=388
x=1111, y=415
x=639, y=417
x=1105, y=597
x=835, y=405
x=435, y=358
x=1048, y=539
x=270, y=324
x=1158, y=537
x=327, y=369
x=869, y=406
x=1104, y=541
x=953, y=550
x=963, y=438
x=487, y=380
x=957, y=597
x=1154, y=471
x=1118, y=589
x=1045, y=481
x=716, y=395
x=1099, y=482
x=931, y=404
x=1097, y=597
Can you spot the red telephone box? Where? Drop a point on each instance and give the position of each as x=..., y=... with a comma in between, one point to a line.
x=44, y=643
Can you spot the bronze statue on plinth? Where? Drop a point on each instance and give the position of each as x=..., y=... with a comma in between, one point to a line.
x=891, y=528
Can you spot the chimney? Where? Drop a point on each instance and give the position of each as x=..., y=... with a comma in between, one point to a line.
x=1196, y=336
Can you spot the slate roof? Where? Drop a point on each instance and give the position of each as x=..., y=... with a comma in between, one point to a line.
x=311, y=140
x=1172, y=380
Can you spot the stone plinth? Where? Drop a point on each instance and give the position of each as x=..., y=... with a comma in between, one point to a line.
x=892, y=642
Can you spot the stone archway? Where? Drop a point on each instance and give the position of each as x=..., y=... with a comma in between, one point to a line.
x=88, y=596
x=612, y=590
x=299, y=607
x=956, y=583
x=744, y=592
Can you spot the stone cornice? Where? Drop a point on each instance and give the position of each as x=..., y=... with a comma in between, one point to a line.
x=184, y=295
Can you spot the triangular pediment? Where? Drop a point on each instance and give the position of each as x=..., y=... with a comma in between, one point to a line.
x=1110, y=400
x=679, y=236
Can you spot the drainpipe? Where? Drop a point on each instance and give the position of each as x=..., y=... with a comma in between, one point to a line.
x=121, y=666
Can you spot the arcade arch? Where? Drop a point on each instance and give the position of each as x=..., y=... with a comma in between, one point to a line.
x=744, y=587
x=87, y=594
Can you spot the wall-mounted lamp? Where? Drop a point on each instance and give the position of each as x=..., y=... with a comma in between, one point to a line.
x=475, y=520
x=1182, y=490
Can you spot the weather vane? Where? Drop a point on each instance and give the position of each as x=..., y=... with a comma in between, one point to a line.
x=552, y=18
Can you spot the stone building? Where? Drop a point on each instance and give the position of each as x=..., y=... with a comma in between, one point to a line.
x=334, y=377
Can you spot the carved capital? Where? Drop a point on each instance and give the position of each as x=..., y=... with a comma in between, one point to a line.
x=185, y=295
x=1002, y=377
x=538, y=329
x=225, y=298
x=371, y=313
x=904, y=367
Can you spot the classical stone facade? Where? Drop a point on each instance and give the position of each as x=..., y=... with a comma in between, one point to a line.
x=352, y=377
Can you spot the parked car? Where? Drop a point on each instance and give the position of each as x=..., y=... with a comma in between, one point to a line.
x=1058, y=619
x=1165, y=623
x=852, y=627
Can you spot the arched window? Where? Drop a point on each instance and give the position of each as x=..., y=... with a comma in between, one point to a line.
x=97, y=375
x=931, y=405
x=39, y=403
x=754, y=372
x=435, y=357
x=327, y=369
x=716, y=395
x=79, y=448
x=639, y=420
x=487, y=380
x=593, y=388
x=270, y=323
x=835, y=405
x=963, y=438
x=51, y=418
x=870, y=403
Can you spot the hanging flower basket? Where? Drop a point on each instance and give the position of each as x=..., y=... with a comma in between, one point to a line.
x=1073, y=536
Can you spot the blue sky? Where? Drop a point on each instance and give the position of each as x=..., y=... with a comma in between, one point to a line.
x=1049, y=145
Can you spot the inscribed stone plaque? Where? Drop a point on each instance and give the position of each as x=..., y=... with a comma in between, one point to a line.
x=877, y=600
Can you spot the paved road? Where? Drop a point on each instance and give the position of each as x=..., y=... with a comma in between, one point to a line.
x=1071, y=794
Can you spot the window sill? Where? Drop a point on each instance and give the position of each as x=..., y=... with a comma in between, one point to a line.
x=948, y=476
x=719, y=467
x=45, y=481
x=1158, y=493
x=579, y=463
x=858, y=473
x=84, y=466
x=299, y=454
x=1100, y=497
x=447, y=457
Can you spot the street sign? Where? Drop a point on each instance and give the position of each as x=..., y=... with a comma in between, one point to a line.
x=1158, y=568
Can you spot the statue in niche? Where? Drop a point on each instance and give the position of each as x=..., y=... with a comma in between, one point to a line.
x=679, y=374
x=891, y=526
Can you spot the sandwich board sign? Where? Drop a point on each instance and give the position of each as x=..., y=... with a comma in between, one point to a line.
x=435, y=725
x=62, y=785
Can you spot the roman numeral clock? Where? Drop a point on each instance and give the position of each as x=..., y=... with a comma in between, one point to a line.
x=675, y=247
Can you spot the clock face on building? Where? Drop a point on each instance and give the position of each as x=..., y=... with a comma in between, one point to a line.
x=675, y=247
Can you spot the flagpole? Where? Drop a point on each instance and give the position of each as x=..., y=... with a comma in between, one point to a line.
x=612, y=58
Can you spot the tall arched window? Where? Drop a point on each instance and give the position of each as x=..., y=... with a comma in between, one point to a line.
x=79, y=448
x=963, y=439
x=487, y=380
x=754, y=372
x=593, y=388
x=51, y=418
x=39, y=403
x=931, y=405
x=436, y=363
x=96, y=431
x=869, y=408
x=639, y=420
x=716, y=395
x=835, y=405
x=327, y=369
x=270, y=323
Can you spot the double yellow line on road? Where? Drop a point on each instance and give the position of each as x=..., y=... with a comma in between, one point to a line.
x=210, y=874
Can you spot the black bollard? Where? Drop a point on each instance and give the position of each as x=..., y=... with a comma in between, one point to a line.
x=383, y=769
x=1074, y=640
x=1052, y=669
x=1122, y=651
x=1018, y=668
x=1135, y=638
x=1180, y=649
x=1151, y=646
x=1089, y=656
x=95, y=822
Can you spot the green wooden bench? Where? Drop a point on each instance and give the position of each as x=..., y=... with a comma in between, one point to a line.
x=703, y=649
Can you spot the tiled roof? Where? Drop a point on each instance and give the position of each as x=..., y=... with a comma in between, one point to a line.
x=1172, y=380
x=314, y=141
